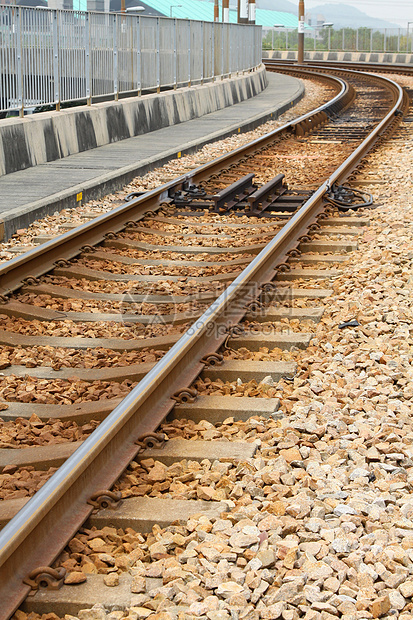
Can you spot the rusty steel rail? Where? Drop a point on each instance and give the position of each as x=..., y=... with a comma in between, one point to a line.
x=400, y=96
x=42, y=259
x=369, y=67
x=37, y=534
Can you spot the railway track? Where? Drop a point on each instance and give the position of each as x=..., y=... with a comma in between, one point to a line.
x=144, y=298
x=353, y=66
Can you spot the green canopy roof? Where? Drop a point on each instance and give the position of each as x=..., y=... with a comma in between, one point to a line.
x=267, y=18
x=204, y=10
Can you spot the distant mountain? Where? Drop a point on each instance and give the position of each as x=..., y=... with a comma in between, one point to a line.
x=344, y=16
x=341, y=15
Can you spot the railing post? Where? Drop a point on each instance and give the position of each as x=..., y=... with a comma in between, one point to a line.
x=371, y=40
x=202, y=53
x=229, y=53
x=237, y=57
x=131, y=54
x=115, y=59
x=250, y=53
x=175, y=58
x=301, y=32
x=213, y=52
x=189, y=52
x=357, y=40
x=158, y=56
x=222, y=52
x=19, y=89
x=87, y=58
x=56, y=72
x=139, y=56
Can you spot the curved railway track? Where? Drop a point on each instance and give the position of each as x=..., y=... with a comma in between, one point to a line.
x=238, y=211
x=342, y=65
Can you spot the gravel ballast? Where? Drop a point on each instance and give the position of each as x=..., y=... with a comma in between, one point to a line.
x=319, y=525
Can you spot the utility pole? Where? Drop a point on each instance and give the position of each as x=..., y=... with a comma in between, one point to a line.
x=225, y=11
x=301, y=12
x=407, y=37
x=216, y=11
x=243, y=11
x=251, y=12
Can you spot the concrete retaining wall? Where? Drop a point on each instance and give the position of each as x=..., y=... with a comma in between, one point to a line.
x=388, y=57
x=48, y=136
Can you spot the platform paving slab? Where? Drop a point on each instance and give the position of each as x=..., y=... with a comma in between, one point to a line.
x=30, y=194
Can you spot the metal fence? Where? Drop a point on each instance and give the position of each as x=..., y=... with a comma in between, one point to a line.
x=369, y=40
x=54, y=56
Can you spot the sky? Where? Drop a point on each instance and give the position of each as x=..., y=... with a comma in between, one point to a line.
x=396, y=11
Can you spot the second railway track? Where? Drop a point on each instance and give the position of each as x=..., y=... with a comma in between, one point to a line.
x=177, y=271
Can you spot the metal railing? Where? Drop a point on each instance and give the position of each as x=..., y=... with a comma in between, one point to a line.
x=55, y=56
x=369, y=40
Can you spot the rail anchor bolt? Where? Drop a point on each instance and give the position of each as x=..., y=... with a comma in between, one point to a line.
x=45, y=577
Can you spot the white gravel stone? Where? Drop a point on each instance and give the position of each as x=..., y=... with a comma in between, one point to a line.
x=97, y=612
x=343, y=509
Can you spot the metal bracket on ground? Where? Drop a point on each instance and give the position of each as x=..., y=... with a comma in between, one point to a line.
x=214, y=359
x=45, y=577
x=151, y=440
x=105, y=499
x=186, y=395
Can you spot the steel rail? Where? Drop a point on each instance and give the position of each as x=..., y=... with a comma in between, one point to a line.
x=335, y=69
x=39, y=531
x=346, y=65
x=68, y=245
x=399, y=93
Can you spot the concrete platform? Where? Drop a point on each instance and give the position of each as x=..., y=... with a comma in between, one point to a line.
x=49, y=136
x=30, y=194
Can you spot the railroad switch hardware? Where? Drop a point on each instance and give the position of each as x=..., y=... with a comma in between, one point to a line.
x=346, y=198
x=242, y=197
